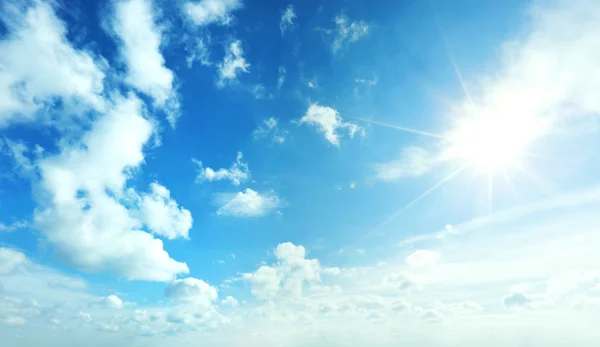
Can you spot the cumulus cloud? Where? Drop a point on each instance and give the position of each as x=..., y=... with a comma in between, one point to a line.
x=11, y=260
x=110, y=301
x=413, y=162
x=34, y=54
x=288, y=276
x=287, y=19
x=422, y=258
x=329, y=122
x=191, y=291
x=236, y=174
x=270, y=128
x=249, y=203
x=140, y=37
x=229, y=301
x=162, y=214
x=82, y=216
x=206, y=12
x=233, y=63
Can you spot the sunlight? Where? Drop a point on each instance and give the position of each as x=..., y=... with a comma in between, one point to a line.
x=491, y=142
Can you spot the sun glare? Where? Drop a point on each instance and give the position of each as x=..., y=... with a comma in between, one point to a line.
x=491, y=142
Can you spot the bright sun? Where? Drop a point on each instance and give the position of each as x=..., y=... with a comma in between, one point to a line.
x=490, y=143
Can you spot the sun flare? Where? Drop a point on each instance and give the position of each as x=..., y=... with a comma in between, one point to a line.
x=491, y=142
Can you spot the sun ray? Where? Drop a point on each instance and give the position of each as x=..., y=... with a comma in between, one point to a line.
x=397, y=127
x=414, y=201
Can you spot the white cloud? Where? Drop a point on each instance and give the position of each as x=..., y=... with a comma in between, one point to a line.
x=347, y=32
x=12, y=320
x=68, y=283
x=13, y=226
x=422, y=258
x=206, y=12
x=82, y=216
x=192, y=291
x=328, y=122
x=281, y=72
x=260, y=92
x=199, y=52
x=431, y=315
x=288, y=276
x=287, y=19
x=312, y=84
x=36, y=54
x=233, y=63
x=140, y=36
x=111, y=301
x=11, y=260
x=162, y=214
x=270, y=128
x=413, y=162
x=236, y=174
x=229, y=301
x=249, y=203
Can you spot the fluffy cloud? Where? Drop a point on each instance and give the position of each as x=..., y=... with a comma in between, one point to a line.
x=233, y=63
x=35, y=54
x=229, y=301
x=141, y=39
x=287, y=19
x=413, y=162
x=249, y=203
x=422, y=258
x=11, y=260
x=82, y=215
x=329, y=122
x=205, y=12
x=111, y=301
x=192, y=291
x=270, y=128
x=287, y=276
x=236, y=174
x=162, y=214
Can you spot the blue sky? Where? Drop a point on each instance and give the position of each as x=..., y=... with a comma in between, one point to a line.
x=299, y=173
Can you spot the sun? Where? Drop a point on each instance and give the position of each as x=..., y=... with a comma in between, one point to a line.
x=490, y=142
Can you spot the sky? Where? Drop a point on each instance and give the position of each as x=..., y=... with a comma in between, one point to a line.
x=299, y=173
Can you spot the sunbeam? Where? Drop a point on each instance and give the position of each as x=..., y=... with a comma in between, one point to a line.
x=391, y=126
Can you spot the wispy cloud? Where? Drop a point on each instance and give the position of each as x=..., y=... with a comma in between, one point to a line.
x=233, y=63
x=236, y=174
x=270, y=128
x=346, y=32
x=329, y=122
x=413, y=162
x=207, y=12
x=287, y=19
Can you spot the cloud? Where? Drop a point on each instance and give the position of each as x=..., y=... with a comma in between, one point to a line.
x=249, y=203
x=287, y=19
x=329, y=122
x=229, y=301
x=236, y=174
x=346, y=32
x=140, y=38
x=81, y=214
x=111, y=301
x=422, y=258
x=413, y=162
x=12, y=320
x=35, y=54
x=191, y=291
x=431, y=315
x=288, y=276
x=199, y=52
x=270, y=128
x=162, y=214
x=11, y=260
x=233, y=63
x=281, y=72
x=207, y=12
x=13, y=226
x=260, y=92
x=67, y=283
